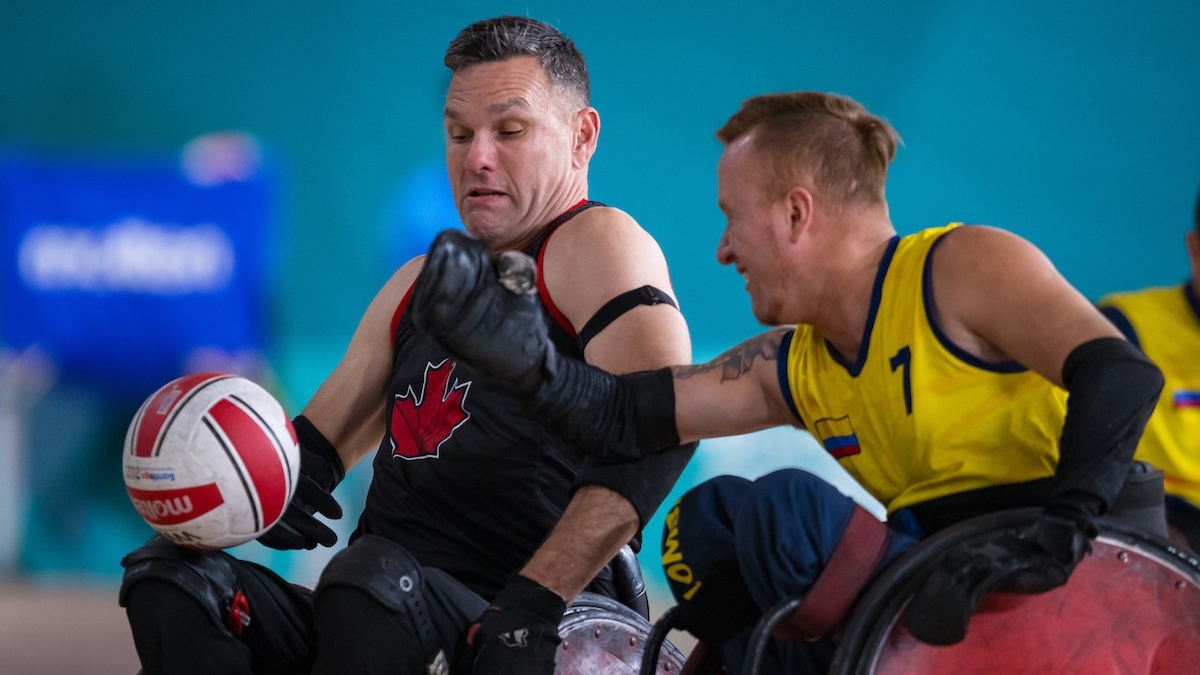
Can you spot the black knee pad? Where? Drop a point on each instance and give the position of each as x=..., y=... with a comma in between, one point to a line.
x=206, y=576
x=385, y=571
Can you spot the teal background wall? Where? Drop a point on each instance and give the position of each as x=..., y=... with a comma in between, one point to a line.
x=1075, y=124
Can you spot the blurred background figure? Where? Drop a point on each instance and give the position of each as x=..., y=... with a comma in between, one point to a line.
x=1165, y=322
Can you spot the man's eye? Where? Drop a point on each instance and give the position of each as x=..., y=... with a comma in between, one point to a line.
x=509, y=133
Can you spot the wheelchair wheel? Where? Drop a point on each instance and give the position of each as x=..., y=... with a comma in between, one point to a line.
x=1131, y=607
x=601, y=636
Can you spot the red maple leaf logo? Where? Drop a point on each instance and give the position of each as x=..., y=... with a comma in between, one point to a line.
x=420, y=425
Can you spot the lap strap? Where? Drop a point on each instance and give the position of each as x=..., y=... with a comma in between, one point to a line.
x=835, y=590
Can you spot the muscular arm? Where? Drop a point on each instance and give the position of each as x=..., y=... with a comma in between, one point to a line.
x=604, y=254
x=1000, y=298
x=349, y=406
x=736, y=393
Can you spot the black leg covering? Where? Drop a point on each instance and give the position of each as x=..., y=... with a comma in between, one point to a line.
x=173, y=633
x=378, y=611
x=207, y=612
x=356, y=634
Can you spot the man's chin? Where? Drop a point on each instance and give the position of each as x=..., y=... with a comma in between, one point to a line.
x=492, y=232
x=484, y=228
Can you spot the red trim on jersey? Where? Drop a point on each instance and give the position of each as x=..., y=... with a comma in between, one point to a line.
x=400, y=310
x=543, y=292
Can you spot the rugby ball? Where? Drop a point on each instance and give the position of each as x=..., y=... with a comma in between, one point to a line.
x=211, y=460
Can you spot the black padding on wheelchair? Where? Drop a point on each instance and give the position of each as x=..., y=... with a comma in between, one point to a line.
x=206, y=576
x=1131, y=606
x=627, y=578
x=1140, y=504
x=601, y=636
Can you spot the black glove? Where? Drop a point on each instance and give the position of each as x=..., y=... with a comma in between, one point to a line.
x=320, y=471
x=1029, y=559
x=460, y=301
x=518, y=632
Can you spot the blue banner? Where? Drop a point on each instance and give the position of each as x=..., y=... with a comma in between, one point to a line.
x=125, y=271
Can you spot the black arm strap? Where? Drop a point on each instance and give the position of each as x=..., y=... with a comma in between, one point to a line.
x=613, y=309
x=1113, y=390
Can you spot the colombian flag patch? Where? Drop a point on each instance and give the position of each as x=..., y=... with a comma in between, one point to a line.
x=1187, y=398
x=837, y=435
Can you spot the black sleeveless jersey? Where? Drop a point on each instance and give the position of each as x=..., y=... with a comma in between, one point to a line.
x=467, y=478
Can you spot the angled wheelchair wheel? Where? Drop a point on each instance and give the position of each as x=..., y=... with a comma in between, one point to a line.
x=601, y=636
x=1131, y=607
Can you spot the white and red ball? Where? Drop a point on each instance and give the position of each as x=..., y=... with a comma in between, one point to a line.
x=211, y=460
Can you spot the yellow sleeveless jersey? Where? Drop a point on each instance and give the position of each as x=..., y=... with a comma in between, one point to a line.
x=1166, y=325
x=914, y=417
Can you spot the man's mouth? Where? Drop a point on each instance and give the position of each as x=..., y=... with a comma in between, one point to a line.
x=484, y=192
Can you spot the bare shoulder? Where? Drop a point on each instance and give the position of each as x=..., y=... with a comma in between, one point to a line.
x=603, y=237
x=599, y=254
x=975, y=267
x=392, y=292
x=404, y=277
x=973, y=247
x=999, y=297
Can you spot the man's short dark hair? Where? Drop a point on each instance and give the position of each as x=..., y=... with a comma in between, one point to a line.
x=507, y=37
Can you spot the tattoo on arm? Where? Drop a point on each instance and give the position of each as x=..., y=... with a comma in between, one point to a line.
x=737, y=361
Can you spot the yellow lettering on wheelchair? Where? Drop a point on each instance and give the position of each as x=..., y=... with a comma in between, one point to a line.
x=672, y=558
x=672, y=519
x=680, y=572
x=671, y=552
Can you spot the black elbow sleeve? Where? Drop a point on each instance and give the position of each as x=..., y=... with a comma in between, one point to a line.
x=1113, y=389
x=644, y=483
x=612, y=417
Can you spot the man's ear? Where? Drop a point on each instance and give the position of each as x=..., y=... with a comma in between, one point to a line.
x=587, y=133
x=799, y=202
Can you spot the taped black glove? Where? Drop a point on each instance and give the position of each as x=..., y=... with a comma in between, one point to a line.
x=485, y=311
x=1029, y=559
x=320, y=472
x=518, y=632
